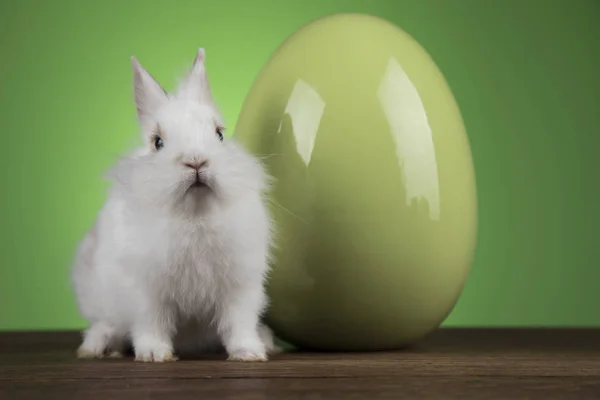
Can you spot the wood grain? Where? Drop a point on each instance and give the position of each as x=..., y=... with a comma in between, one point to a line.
x=449, y=364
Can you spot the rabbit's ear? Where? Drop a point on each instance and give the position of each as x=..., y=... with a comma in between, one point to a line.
x=149, y=95
x=194, y=86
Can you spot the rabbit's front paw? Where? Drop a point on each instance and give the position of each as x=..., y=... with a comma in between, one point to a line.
x=155, y=356
x=250, y=351
x=154, y=351
x=89, y=353
x=248, y=356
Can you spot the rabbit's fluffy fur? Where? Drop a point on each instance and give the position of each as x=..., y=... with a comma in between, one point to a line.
x=178, y=256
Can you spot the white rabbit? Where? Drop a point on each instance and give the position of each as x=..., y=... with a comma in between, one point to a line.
x=178, y=256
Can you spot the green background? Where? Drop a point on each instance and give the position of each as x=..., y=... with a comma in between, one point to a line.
x=525, y=73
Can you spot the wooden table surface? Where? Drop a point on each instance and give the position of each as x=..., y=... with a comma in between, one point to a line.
x=449, y=364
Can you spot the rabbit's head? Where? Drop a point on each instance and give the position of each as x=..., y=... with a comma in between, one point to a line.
x=185, y=158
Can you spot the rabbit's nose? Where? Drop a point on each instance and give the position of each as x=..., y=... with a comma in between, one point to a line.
x=196, y=165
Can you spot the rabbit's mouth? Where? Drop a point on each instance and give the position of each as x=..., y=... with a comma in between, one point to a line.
x=200, y=182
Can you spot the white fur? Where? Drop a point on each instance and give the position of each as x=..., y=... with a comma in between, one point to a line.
x=173, y=268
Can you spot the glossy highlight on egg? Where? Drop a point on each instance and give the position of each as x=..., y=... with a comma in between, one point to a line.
x=374, y=198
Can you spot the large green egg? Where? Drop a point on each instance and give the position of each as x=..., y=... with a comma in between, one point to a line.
x=374, y=199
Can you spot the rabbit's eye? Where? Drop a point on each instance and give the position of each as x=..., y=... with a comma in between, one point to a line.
x=158, y=143
x=220, y=133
